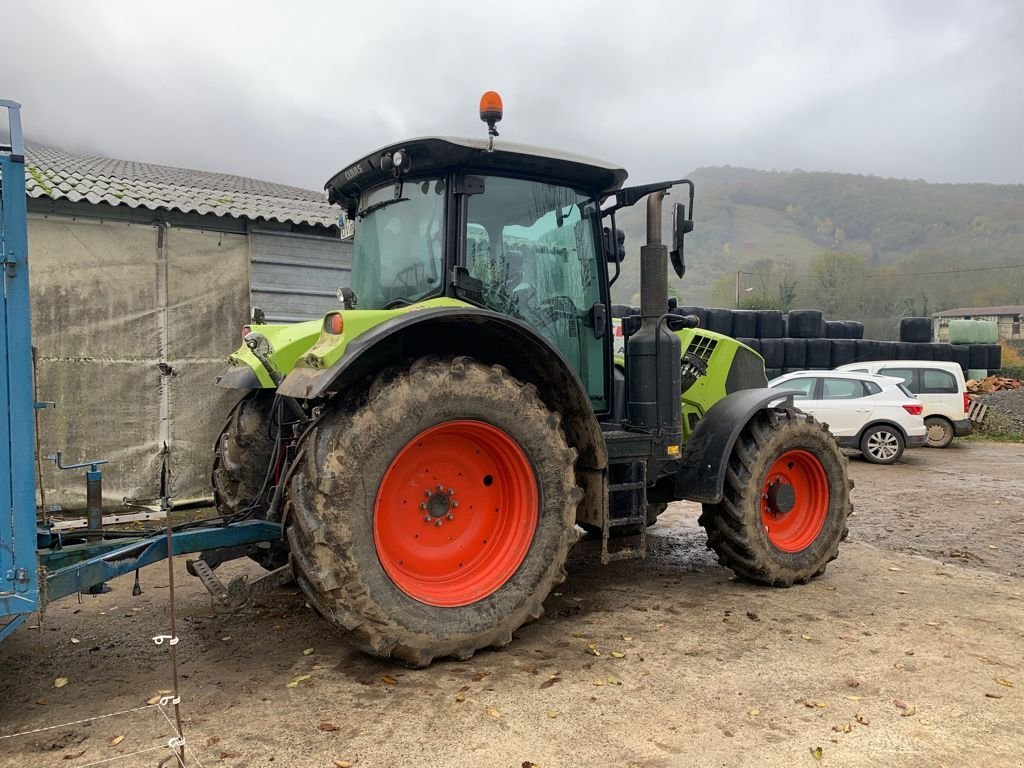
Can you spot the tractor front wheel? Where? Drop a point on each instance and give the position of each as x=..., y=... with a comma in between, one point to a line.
x=433, y=519
x=242, y=453
x=786, y=501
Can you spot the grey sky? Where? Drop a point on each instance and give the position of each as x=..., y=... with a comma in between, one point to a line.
x=293, y=91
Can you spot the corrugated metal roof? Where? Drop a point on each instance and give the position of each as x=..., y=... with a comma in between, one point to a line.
x=59, y=174
x=1005, y=309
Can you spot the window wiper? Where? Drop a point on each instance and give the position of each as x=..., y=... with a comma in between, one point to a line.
x=378, y=206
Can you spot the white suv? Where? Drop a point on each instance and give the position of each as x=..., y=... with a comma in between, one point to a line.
x=873, y=414
x=940, y=388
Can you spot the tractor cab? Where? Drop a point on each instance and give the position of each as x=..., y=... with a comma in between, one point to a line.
x=512, y=229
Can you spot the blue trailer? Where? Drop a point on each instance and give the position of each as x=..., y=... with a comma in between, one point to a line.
x=38, y=565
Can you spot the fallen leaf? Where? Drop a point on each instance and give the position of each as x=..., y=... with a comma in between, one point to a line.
x=993, y=695
x=75, y=641
x=41, y=702
x=327, y=726
x=753, y=616
x=478, y=676
x=805, y=637
x=342, y=763
x=618, y=655
x=212, y=740
x=754, y=712
x=910, y=711
x=1005, y=682
x=597, y=681
x=307, y=652
x=225, y=755
x=852, y=682
x=225, y=638
x=851, y=697
x=931, y=623
x=292, y=684
x=645, y=673
x=844, y=728
x=895, y=568
x=899, y=704
x=925, y=721
x=817, y=753
x=116, y=740
x=552, y=714
x=659, y=626
x=153, y=699
x=612, y=680
x=388, y=680
x=460, y=696
x=302, y=678
x=550, y=681
x=493, y=712
x=902, y=592
x=627, y=638
x=74, y=755
x=60, y=682
x=592, y=649
x=862, y=719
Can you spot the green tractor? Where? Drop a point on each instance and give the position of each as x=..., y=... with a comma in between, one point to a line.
x=431, y=447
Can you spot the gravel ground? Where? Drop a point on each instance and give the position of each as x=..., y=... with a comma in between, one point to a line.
x=909, y=651
x=1006, y=408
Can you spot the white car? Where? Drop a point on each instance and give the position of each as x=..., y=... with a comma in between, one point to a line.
x=876, y=415
x=940, y=388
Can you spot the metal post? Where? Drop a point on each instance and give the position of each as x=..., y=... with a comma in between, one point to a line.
x=19, y=584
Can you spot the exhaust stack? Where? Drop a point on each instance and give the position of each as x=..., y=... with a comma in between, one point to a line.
x=653, y=352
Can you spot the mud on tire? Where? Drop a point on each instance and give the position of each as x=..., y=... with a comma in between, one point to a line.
x=342, y=472
x=242, y=453
x=736, y=527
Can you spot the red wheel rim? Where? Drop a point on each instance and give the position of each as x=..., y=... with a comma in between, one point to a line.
x=794, y=501
x=455, y=513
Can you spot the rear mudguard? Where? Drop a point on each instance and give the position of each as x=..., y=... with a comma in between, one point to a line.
x=701, y=475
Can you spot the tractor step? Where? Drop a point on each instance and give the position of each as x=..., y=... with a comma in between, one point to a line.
x=627, y=502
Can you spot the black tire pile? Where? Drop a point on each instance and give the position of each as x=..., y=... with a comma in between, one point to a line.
x=804, y=340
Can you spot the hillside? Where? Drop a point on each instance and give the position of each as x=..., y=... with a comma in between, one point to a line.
x=776, y=226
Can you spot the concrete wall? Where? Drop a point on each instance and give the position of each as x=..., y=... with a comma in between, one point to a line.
x=110, y=300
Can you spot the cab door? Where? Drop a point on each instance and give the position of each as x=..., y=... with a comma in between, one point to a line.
x=533, y=246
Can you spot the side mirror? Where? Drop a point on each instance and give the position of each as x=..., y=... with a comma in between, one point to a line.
x=614, y=247
x=258, y=317
x=680, y=226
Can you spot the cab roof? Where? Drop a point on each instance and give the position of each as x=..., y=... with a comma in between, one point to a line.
x=440, y=153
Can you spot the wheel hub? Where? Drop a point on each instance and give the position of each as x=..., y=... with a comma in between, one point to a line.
x=781, y=497
x=439, y=505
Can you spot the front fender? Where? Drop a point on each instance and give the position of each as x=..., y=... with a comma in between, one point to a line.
x=701, y=474
x=289, y=343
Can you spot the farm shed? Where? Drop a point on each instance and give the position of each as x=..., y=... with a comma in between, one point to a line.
x=133, y=263
x=1006, y=317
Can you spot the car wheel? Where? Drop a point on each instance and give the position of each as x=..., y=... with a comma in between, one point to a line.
x=940, y=432
x=882, y=444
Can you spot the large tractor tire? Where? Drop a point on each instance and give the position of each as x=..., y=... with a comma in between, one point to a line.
x=242, y=453
x=787, y=499
x=434, y=518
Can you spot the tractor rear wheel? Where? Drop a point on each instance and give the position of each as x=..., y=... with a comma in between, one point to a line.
x=433, y=519
x=786, y=502
x=241, y=454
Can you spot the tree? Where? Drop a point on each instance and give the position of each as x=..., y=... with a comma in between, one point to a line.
x=836, y=283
